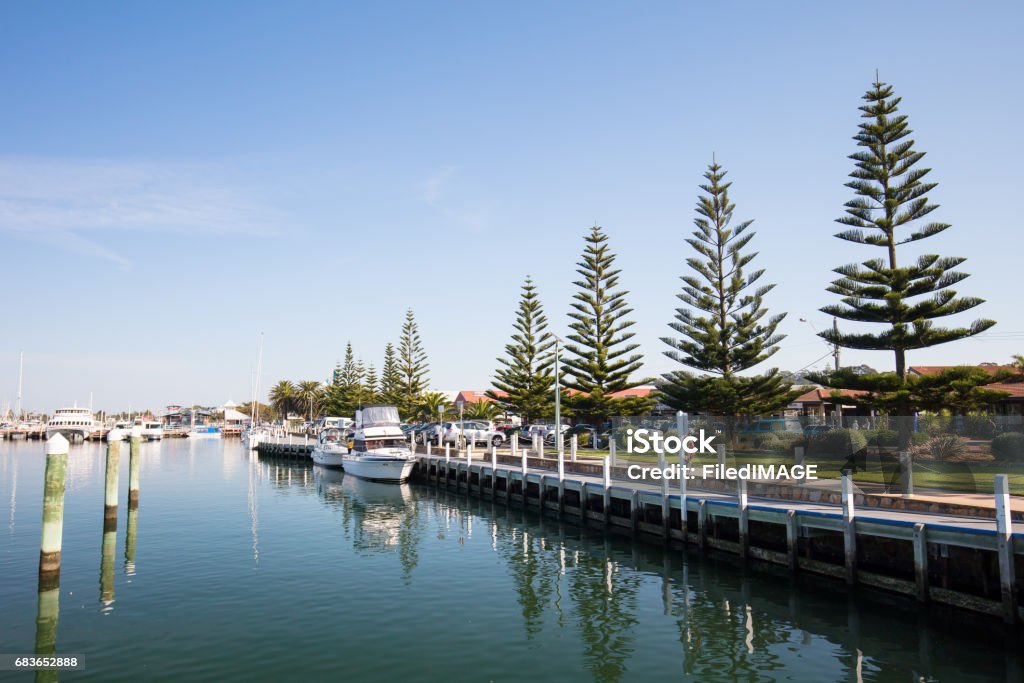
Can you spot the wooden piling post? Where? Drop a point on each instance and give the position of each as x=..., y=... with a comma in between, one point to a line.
x=525, y=465
x=111, y=485
x=133, y=473
x=447, y=455
x=428, y=446
x=573, y=445
x=469, y=458
x=53, y=511
x=849, y=530
x=1004, y=546
x=792, y=540
x=744, y=519
x=921, y=561
x=515, y=445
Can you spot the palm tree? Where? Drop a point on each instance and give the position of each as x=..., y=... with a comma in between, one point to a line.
x=482, y=410
x=282, y=397
x=431, y=405
x=309, y=393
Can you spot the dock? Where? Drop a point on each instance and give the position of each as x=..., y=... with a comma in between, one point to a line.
x=965, y=561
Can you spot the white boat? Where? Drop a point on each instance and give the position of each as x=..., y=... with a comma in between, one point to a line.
x=74, y=424
x=152, y=431
x=205, y=432
x=380, y=451
x=120, y=431
x=330, y=448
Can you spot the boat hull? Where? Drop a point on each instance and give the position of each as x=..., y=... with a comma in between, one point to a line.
x=72, y=434
x=328, y=458
x=378, y=468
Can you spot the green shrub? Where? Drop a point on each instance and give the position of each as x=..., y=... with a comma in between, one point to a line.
x=837, y=443
x=882, y=438
x=979, y=426
x=941, y=447
x=767, y=441
x=1008, y=447
x=919, y=439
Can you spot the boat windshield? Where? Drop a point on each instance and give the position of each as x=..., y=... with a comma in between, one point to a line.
x=380, y=416
x=330, y=436
x=388, y=442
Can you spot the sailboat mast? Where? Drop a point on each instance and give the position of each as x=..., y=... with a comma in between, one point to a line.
x=256, y=395
x=21, y=377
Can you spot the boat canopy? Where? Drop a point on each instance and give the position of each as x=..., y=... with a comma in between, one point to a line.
x=380, y=416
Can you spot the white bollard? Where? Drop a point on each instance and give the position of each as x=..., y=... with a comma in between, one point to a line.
x=1004, y=548
x=515, y=445
x=573, y=443
x=682, y=490
x=611, y=451
x=447, y=452
x=494, y=457
x=428, y=446
x=469, y=453
x=525, y=464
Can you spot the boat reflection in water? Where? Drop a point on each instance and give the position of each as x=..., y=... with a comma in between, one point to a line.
x=379, y=517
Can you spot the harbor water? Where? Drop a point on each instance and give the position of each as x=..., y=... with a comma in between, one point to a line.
x=240, y=569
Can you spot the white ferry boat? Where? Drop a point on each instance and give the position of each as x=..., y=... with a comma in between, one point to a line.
x=380, y=451
x=74, y=424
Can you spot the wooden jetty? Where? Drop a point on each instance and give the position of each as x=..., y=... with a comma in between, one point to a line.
x=969, y=562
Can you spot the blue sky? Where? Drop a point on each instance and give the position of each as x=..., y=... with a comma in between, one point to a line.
x=177, y=177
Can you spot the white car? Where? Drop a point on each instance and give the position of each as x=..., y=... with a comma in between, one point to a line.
x=475, y=433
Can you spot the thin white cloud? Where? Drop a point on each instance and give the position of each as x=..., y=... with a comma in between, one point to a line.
x=439, y=191
x=69, y=203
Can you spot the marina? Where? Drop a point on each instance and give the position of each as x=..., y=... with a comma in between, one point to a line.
x=215, y=525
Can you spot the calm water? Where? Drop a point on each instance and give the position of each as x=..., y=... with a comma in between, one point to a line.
x=255, y=571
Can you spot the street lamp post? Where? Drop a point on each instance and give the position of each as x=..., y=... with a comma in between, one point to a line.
x=462, y=428
x=558, y=396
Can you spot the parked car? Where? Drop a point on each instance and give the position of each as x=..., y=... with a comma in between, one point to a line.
x=475, y=433
x=584, y=435
x=814, y=431
x=425, y=433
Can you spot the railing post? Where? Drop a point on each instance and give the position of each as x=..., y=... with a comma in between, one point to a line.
x=1004, y=545
x=702, y=522
x=682, y=491
x=515, y=445
x=494, y=457
x=744, y=519
x=666, y=511
x=573, y=444
x=611, y=450
x=849, y=529
x=607, y=496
